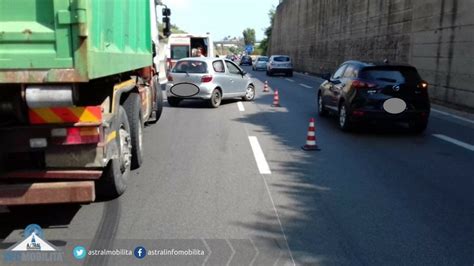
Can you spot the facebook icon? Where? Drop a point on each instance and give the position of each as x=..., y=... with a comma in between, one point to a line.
x=139, y=252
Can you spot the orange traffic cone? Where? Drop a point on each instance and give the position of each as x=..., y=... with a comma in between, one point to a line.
x=265, y=87
x=276, y=99
x=311, y=138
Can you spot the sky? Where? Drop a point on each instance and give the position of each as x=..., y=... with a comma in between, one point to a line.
x=221, y=17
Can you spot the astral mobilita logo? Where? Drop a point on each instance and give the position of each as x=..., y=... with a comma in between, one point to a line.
x=33, y=248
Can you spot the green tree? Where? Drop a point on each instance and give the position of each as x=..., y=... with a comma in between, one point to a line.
x=249, y=36
x=176, y=29
x=268, y=32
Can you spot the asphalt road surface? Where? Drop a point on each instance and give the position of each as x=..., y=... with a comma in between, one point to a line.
x=234, y=183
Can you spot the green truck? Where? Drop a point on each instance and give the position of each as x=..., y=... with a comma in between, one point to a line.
x=78, y=82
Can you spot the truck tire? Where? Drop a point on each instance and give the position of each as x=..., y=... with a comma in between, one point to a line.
x=113, y=182
x=158, y=107
x=133, y=109
x=159, y=99
x=172, y=101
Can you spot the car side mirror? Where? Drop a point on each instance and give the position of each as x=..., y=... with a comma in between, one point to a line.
x=243, y=73
x=326, y=76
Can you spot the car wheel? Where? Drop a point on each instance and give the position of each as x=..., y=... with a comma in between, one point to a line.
x=132, y=106
x=249, y=93
x=113, y=182
x=216, y=98
x=172, y=101
x=290, y=74
x=269, y=73
x=418, y=126
x=321, y=109
x=344, y=118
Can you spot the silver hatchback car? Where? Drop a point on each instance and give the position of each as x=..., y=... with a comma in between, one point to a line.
x=260, y=63
x=211, y=79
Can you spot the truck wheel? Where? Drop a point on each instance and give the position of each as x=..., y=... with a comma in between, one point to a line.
x=133, y=109
x=114, y=179
x=158, y=107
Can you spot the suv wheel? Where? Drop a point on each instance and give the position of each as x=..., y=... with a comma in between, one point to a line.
x=321, y=109
x=344, y=118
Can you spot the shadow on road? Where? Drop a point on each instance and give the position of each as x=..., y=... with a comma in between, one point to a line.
x=200, y=104
x=46, y=216
x=370, y=197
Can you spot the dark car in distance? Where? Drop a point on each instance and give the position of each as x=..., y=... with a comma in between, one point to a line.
x=360, y=92
x=246, y=60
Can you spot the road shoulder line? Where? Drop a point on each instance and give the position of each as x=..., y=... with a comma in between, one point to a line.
x=453, y=116
x=306, y=86
x=455, y=142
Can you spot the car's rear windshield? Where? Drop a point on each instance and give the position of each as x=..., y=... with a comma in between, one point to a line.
x=190, y=66
x=265, y=59
x=282, y=59
x=399, y=74
x=179, y=51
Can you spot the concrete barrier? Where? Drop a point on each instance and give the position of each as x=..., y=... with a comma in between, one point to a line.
x=436, y=36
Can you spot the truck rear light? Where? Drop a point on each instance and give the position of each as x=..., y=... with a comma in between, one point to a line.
x=38, y=143
x=358, y=84
x=206, y=78
x=76, y=135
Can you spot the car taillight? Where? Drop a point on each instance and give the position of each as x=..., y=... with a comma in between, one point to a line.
x=206, y=78
x=170, y=78
x=75, y=135
x=423, y=85
x=358, y=84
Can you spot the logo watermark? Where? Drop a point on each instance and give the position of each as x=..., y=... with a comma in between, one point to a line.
x=33, y=248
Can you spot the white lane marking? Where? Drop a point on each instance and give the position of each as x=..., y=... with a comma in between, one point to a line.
x=453, y=116
x=278, y=218
x=290, y=80
x=233, y=252
x=271, y=198
x=241, y=106
x=209, y=252
x=256, y=253
x=4, y=209
x=259, y=156
x=455, y=141
x=306, y=86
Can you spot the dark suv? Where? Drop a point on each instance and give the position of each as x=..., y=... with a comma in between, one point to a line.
x=367, y=92
x=246, y=60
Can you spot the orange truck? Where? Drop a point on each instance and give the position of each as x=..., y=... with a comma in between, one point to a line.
x=77, y=86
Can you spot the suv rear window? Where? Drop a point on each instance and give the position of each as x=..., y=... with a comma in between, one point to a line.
x=396, y=75
x=190, y=66
x=281, y=59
